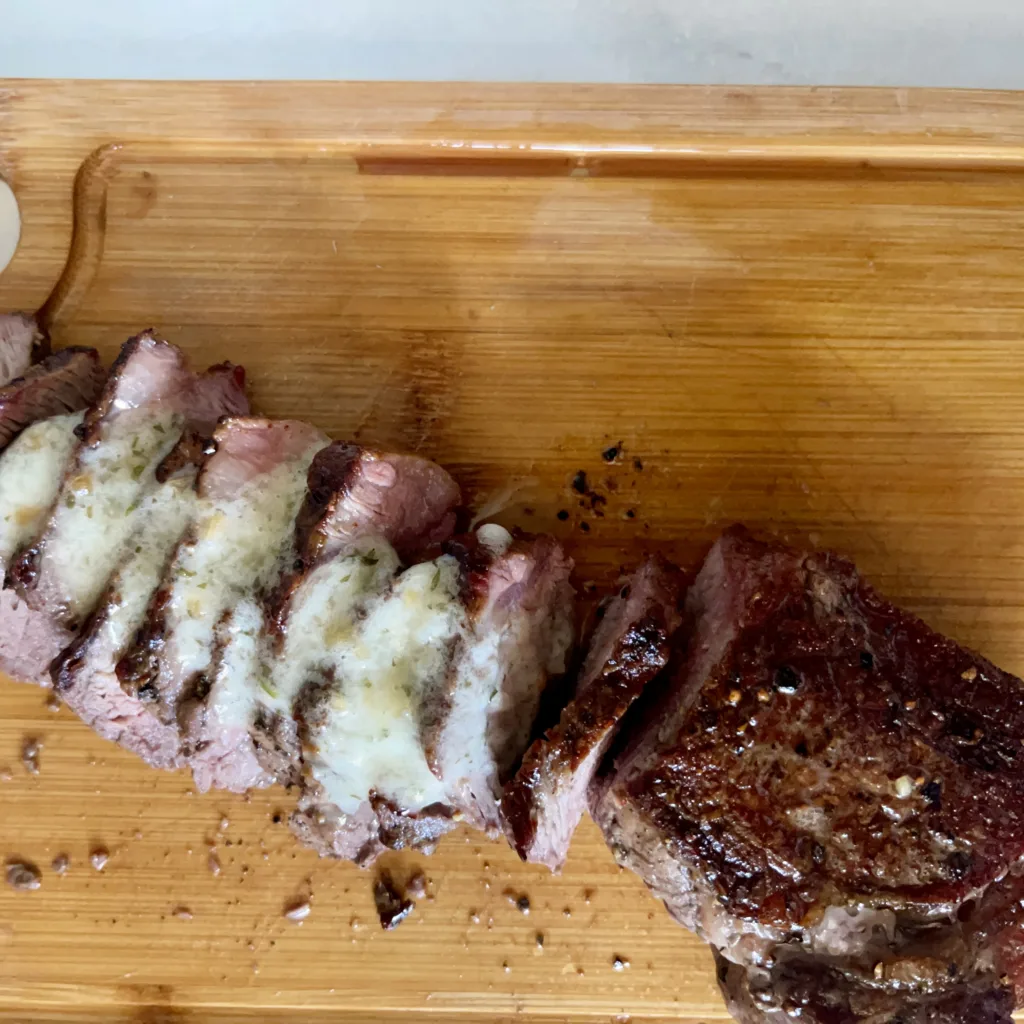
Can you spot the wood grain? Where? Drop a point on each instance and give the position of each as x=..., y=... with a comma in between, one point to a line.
x=798, y=308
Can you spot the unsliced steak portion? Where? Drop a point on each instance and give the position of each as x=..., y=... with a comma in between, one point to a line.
x=363, y=511
x=21, y=341
x=518, y=634
x=197, y=651
x=65, y=382
x=542, y=805
x=150, y=397
x=828, y=781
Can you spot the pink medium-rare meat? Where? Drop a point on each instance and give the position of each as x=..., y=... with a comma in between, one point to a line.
x=519, y=633
x=826, y=777
x=21, y=341
x=488, y=621
x=356, y=495
x=357, y=501
x=149, y=398
x=356, y=492
x=64, y=382
x=199, y=639
x=544, y=802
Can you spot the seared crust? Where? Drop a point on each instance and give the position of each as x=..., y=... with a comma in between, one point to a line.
x=64, y=382
x=545, y=800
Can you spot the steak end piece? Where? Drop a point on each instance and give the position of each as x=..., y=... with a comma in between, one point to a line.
x=67, y=381
x=829, y=781
x=542, y=805
x=520, y=631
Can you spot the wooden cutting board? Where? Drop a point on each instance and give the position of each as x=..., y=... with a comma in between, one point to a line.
x=803, y=309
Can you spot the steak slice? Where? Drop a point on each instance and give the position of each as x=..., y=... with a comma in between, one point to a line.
x=85, y=673
x=360, y=728
x=65, y=382
x=57, y=580
x=194, y=655
x=518, y=634
x=542, y=805
x=21, y=342
x=363, y=510
x=828, y=782
x=31, y=470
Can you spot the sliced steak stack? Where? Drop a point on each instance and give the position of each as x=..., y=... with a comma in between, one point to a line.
x=544, y=803
x=832, y=795
x=430, y=694
x=197, y=648
x=364, y=512
x=104, y=498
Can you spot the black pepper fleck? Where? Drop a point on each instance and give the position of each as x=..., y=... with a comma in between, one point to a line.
x=786, y=679
x=563, y=514
x=932, y=792
x=611, y=454
x=579, y=482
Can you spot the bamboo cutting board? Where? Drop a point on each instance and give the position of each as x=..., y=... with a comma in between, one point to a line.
x=802, y=309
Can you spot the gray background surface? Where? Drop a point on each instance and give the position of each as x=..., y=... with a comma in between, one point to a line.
x=964, y=43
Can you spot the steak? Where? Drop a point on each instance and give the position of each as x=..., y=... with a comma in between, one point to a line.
x=21, y=342
x=65, y=382
x=828, y=788
x=31, y=469
x=85, y=673
x=489, y=621
x=542, y=805
x=518, y=634
x=196, y=649
x=364, y=511
x=56, y=581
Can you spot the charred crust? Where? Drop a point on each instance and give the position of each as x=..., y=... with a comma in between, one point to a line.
x=189, y=451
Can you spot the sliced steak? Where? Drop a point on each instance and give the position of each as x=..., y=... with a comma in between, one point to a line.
x=197, y=651
x=363, y=511
x=57, y=580
x=827, y=782
x=66, y=382
x=542, y=805
x=518, y=634
x=356, y=492
x=31, y=470
x=21, y=342
x=362, y=743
